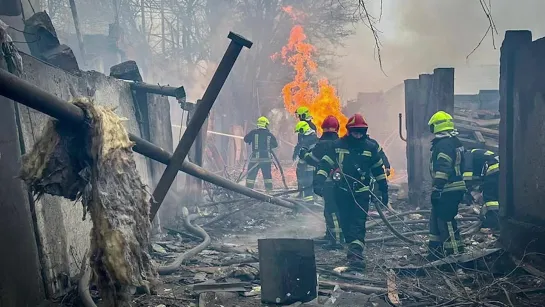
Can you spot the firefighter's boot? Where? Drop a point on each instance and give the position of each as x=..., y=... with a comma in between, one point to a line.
x=435, y=251
x=332, y=245
x=355, y=256
x=491, y=220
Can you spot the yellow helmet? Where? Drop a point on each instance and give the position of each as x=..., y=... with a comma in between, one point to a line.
x=302, y=127
x=441, y=121
x=303, y=113
x=262, y=122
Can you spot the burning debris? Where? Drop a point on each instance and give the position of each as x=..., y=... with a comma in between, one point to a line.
x=95, y=163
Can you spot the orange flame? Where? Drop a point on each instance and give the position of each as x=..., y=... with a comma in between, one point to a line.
x=321, y=98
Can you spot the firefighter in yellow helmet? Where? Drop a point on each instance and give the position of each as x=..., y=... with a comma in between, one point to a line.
x=303, y=114
x=262, y=142
x=482, y=170
x=448, y=187
x=305, y=172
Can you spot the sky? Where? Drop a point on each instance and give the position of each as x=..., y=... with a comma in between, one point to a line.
x=420, y=35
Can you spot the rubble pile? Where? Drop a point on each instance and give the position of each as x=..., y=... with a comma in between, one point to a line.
x=227, y=272
x=95, y=163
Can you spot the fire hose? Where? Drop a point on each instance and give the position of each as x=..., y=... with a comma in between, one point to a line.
x=84, y=281
x=279, y=165
x=195, y=229
x=390, y=226
x=275, y=161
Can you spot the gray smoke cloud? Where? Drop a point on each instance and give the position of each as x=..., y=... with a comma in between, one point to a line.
x=420, y=35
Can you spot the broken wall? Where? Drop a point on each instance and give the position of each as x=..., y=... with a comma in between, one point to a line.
x=63, y=237
x=522, y=144
x=423, y=97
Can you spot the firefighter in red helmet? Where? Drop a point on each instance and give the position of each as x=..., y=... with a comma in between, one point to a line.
x=351, y=161
x=333, y=233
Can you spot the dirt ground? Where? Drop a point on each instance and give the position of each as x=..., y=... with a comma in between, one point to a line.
x=467, y=282
x=395, y=276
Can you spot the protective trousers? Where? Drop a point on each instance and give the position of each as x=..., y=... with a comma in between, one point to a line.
x=490, y=187
x=253, y=169
x=353, y=209
x=444, y=238
x=305, y=176
x=333, y=230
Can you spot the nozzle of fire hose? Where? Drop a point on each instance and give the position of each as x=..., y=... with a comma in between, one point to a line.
x=336, y=174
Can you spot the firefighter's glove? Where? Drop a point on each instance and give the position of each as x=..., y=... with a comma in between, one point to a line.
x=387, y=171
x=319, y=191
x=302, y=152
x=435, y=197
x=384, y=198
x=468, y=199
x=482, y=213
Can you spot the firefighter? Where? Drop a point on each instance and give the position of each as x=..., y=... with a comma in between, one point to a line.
x=351, y=161
x=482, y=168
x=448, y=187
x=386, y=162
x=305, y=172
x=262, y=142
x=303, y=114
x=383, y=157
x=333, y=233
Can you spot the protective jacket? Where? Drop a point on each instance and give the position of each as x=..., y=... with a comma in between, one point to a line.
x=382, y=154
x=315, y=153
x=479, y=163
x=356, y=162
x=312, y=126
x=446, y=163
x=262, y=141
x=305, y=140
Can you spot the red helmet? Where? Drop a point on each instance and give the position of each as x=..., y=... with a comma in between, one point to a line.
x=356, y=121
x=331, y=122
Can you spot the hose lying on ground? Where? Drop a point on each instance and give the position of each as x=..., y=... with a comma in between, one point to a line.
x=373, y=224
x=468, y=231
x=464, y=219
x=225, y=215
x=175, y=265
x=83, y=284
x=390, y=227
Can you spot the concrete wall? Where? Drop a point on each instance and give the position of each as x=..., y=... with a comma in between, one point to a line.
x=20, y=276
x=63, y=237
x=522, y=144
x=423, y=97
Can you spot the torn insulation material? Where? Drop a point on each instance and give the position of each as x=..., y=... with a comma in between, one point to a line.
x=94, y=163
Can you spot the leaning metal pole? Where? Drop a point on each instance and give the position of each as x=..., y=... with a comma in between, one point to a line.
x=33, y=97
x=199, y=116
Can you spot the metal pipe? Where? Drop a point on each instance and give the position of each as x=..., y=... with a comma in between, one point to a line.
x=197, y=119
x=171, y=91
x=33, y=97
x=400, y=130
x=78, y=31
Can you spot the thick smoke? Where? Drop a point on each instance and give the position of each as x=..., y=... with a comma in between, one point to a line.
x=420, y=35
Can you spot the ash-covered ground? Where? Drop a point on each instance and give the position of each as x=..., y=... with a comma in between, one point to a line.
x=397, y=273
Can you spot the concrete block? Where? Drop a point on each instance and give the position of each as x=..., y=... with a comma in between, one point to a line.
x=40, y=34
x=126, y=71
x=63, y=57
